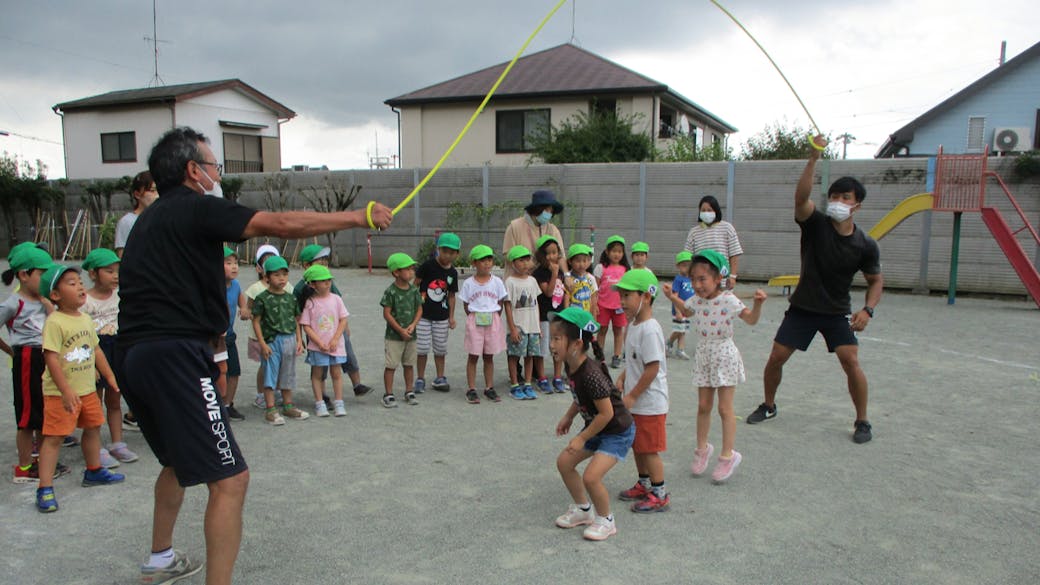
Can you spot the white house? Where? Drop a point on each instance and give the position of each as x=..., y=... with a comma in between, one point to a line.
x=110, y=135
x=540, y=91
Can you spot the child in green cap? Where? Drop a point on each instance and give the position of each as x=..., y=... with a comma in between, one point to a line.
x=680, y=323
x=323, y=318
x=613, y=264
x=482, y=295
x=640, y=255
x=274, y=322
x=402, y=309
x=524, y=337
x=438, y=281
x=237, y=307
x=582, y=289
x=553, y=297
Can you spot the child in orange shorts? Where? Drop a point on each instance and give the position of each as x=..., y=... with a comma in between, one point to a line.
x=71, y=353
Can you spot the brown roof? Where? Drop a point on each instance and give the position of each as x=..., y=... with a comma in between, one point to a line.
x=565, y=70
x=174, y=93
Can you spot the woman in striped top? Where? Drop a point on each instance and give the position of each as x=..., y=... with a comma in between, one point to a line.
x=712, y=233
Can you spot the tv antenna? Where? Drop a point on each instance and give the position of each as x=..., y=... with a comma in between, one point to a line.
x=574, y=9
x=156, y=80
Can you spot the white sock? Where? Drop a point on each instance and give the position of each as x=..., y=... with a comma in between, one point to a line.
x=161, y=559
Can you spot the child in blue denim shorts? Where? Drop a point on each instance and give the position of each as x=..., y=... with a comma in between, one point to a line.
x=274, y=321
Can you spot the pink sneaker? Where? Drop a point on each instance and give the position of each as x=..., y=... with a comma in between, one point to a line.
x=575, y=516
x=600, y=529
x=725, y=467
x=700, y=459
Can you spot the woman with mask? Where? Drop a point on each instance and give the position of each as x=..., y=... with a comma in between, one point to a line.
x=533, y=224
x=144, y=193
x=712, y=233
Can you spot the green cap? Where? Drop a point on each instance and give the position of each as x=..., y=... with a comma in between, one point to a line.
x=716, y=259
x=480, y=251
x=313, y=252
x=50, y=278
x=639, y=280
x=683, y=256
x=30, y=258
x=399, y=260
x=275, y=263
x=577, y=316
x=99, y=258
x=317, y=272
x=19, y=248
x=517, y=252
x=449, y=240
x=228, y=251
x=615, y=238
x=641, y=247
x=576, y=249
x=544, y=240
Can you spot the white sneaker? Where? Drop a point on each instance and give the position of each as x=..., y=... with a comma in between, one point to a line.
x=575, y=516
x=600, y=529
x=681, y=354
x=320, y=409
x=273, y=418
x=107, y=460
x=259, y=402
x=340, y=409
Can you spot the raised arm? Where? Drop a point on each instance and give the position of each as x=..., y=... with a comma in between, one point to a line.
x=302, y=224
x=803, y=205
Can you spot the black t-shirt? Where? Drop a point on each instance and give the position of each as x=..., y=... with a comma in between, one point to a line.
x=590, y=383
x=554, y=300
x=171, y=278
x=436, y=283
x=829, y=261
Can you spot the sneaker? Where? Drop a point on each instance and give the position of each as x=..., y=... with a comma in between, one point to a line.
x=278, y=399
x=290, y=410
x=259, y=402
x=420, y=386
x=559, y=386
x=30, y=475
x=123, y=453
x=701, y=458
x=361, y=390
x=130, y=422
x=761, y=413
x=669, y=349
x=472, y=397
x=181, y=567
x=652, y=503
x=634, y=493
x=600, y=529
x=575, y=516
x=389, y=401
x=492, y=395
x=107, y=460
x=320, y=409
x=45, y=500
x=409, y=397
x=529, y=392
x=615, y=362
x=69, y=441
x=681, y=354
x=440, y=384
x=61, y=470
x=273, y=418
x=517, y=392
x=100, y=477
x=725, y=467
x=863, y=432
x=544, y=386
x=234, y=414
x=341, y=410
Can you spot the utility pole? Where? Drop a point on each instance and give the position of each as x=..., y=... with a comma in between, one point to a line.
x=845, y=139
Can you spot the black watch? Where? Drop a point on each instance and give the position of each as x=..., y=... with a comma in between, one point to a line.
x=870, y=311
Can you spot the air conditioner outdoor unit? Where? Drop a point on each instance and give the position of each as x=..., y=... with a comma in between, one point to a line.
x=1012, y=140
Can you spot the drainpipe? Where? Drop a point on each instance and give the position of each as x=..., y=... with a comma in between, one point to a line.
x=64, y=141
x=400, y=161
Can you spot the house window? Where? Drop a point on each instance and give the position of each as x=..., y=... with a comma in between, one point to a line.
x=976, y=133
x=118, y=147
x=666, y=123
x=242, y=154
x=516, y=129
x=598, y=107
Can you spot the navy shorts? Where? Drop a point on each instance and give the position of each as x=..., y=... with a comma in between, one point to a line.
x=800, y=326
x=169, y=386
x=234, y=366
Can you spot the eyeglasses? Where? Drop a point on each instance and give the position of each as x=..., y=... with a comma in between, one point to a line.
x=220, y=167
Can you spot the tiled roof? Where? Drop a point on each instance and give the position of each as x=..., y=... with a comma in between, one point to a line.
x=169, y=93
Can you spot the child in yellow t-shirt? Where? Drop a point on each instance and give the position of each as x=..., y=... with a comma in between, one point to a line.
x=71, y=353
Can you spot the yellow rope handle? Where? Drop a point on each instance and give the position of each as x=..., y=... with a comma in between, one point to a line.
x=816, y=146
x=368, y=215
x=480, y=109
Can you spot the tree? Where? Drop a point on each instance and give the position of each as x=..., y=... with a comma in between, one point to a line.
x=332, y=197
x=683, y=148
x=23, y=185
x=778, y=142
x=586, y=138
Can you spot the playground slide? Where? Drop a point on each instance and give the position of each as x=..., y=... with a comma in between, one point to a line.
x=907, y=207
x=1011, y=247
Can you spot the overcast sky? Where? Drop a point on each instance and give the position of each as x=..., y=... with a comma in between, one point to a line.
x=866, y=68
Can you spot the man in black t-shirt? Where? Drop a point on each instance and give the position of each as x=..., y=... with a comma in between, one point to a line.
x=833, y=250
x=172, y=304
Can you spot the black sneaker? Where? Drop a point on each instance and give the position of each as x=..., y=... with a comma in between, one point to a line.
x=361, y=390
x=761, y=413
x=862, y=433
x=492, y=395
x=472, y=397
x=233, y=413
x=130, y=422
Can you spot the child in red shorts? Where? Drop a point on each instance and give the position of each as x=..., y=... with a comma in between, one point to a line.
x=71, y=353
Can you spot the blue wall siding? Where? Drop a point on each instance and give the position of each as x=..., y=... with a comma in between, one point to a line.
x=1012, y=101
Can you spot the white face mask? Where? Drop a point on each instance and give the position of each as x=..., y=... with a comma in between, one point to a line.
x=214, y=191
x=544, y=217
x=708, y=216
x=838, y=211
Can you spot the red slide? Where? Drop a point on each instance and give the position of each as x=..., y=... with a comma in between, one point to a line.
x=1013, y=250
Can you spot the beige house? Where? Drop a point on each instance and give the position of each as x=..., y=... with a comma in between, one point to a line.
x=541, y=90
x=110, y=135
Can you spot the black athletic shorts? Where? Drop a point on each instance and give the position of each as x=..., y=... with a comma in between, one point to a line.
x=107, y=343
x=169, y=386
x=27, y=382
x=800, y=326
x=234, y=366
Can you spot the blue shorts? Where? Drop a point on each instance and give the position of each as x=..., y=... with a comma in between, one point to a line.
x=280, y=368
x=616, y=446
x=324, y=360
